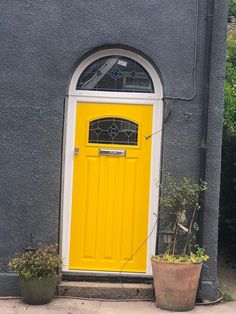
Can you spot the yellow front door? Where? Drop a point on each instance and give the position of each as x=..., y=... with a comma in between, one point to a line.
x=110, y=200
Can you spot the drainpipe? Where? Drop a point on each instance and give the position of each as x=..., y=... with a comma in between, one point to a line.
x=208, y=288
x=205, y=109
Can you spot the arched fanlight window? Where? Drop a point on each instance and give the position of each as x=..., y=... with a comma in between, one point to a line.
x=116, y=74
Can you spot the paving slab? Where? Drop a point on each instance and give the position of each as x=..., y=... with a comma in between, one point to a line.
x=75, y=306
x=150, y=308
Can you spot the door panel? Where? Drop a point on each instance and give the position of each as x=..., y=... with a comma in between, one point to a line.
x=110, y=200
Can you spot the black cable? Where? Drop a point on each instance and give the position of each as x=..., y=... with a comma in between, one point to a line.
x=135, y=252
x=195, y=62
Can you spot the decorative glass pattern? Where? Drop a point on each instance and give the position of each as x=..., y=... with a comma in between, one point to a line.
x=113, y=131
x=116, y=74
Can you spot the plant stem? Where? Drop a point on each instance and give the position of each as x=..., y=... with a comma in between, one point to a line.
x=190, y=228
x=175, y=235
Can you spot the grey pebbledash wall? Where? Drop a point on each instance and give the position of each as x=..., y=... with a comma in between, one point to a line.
x=41, y=41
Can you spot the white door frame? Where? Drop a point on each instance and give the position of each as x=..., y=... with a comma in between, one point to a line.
x=74, y=96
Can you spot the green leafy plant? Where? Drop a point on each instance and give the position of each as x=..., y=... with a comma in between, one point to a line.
x=44, y=262
x=197, y=257
x=230, y=89
x=180, y=202
x=226, y=293
x=232, y=7
x=227, y=217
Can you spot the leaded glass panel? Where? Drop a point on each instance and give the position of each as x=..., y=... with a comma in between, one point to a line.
x=113, y=131
x=116, y=74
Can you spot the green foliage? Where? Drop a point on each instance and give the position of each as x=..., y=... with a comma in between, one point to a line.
x=232, y=7
x=44, y=262
x=227, y=297
x=230, y=89
x=179, y=202
x=198, y=257
x=227, y=218
x=180, y=196
x=226, y=293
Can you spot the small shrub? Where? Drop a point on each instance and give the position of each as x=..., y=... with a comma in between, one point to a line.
x=44, y=262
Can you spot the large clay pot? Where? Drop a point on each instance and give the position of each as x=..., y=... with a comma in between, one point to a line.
x=175, y=284
x=38, y=291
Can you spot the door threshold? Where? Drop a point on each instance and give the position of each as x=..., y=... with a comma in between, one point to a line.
x=106, y=277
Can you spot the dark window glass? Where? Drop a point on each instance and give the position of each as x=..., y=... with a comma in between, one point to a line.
x=115, y=74
x=113, y=131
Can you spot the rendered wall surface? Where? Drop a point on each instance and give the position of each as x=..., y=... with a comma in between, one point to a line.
x=41, y=41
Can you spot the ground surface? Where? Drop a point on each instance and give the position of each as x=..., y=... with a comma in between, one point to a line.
x=74, y=306
x=227, y=279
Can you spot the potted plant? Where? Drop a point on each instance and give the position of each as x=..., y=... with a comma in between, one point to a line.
x=38, y=272
x=176, y=272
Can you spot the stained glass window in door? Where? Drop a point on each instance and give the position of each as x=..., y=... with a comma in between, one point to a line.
x=115, y=74
x=113, y=130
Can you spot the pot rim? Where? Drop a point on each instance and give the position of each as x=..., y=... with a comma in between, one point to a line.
x=174, y=263
x=42, y=277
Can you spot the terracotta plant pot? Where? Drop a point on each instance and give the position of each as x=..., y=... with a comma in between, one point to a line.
x=175, y=284
x=38, y=291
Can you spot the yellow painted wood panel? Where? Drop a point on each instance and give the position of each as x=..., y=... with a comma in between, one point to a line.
x=110, y=199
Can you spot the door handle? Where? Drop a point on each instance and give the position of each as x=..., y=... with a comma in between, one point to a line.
x=76, y=151
x=112, y=152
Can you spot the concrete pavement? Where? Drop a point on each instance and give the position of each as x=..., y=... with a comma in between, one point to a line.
x=75, y=306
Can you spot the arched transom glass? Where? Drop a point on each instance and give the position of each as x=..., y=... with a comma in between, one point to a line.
x=115, y=74
x=113, y=130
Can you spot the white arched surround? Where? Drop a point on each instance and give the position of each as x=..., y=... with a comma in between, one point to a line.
x=156, y=100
